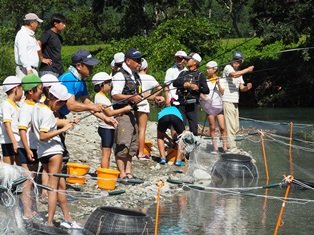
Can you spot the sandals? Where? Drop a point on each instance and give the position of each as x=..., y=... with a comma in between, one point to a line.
x=143, y=158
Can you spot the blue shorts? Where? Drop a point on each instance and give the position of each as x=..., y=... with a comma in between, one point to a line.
x=23, y=156
x=107, y=137
x=7, y=149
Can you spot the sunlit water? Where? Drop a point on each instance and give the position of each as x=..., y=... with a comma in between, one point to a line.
x=256, y=211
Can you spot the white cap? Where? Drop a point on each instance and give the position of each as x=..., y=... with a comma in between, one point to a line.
x=212, y=64
x=144, y=64
x=11, y=82
x=100, y=77
x=119, y=57
x=48, y=80
x=32, y=16
x=195, y=57
x=60, y=92
x=181, y=54
x=112, y=64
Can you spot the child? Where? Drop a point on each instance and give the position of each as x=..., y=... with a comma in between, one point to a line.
x=47, y=80
x=9, y=119
x=168, y=117
x=212, y=104
x=102, y=85
x=148, y=84
x=50, y=149
x=32, y=87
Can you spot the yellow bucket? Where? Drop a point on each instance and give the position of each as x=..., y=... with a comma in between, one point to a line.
x=107, y=178
x=172, y=155
x=148, y=147
x=78, y=170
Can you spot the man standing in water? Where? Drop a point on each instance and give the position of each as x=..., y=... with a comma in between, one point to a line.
x=232, y=77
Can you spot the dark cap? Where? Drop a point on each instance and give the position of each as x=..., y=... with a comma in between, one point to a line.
x=84, y=57
x=133, y=54
x=237, y=55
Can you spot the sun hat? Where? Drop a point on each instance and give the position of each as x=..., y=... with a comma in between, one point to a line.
x=118, y=57
x=100, y=77
x=48, y=80
x=30, y=81
x=134, y=54
x=212, y=64
x=180, y=54
x=84, y=57
x=195, y=57
x=32, y=16
x=60, y=92
x=144, y=64
x=11, y=82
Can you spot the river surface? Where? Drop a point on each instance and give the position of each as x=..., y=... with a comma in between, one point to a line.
x=212, y=211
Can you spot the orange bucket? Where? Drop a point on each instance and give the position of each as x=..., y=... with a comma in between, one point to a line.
x=107, y=178
x=172, y=155
x=148, y=147
x=78, y=170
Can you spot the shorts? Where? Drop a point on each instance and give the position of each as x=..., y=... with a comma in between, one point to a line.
x=169, y=121
x=45, y=159
x=7, y=149
x=107, y=137
x=23, y=156
x=126, y=137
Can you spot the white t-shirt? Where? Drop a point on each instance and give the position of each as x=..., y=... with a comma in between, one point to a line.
x=44, y=120
x=214, y=94
x=172, y=74
x=26, y=48
x=25, y=121
x=148, y=83
x=9, y=112
x=231, y=85
x=101, y=98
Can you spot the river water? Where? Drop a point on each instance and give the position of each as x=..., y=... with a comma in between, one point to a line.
x=212, y=211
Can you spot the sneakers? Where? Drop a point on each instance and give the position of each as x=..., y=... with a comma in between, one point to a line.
x=144, y=158
x=179, y=163
x=215, y=152
x=162, y=161
x=69, y=225
x=35, y=218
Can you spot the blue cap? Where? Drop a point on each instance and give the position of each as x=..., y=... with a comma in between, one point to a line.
x=84, y=57
x=133, y=54
x=237, y=56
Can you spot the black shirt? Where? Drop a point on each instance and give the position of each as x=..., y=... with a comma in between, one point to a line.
x=194, y=77
x=51, y=49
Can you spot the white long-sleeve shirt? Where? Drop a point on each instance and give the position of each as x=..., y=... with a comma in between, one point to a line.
x=26, y=48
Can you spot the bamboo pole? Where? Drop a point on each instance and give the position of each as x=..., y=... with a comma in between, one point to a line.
x=159, y=184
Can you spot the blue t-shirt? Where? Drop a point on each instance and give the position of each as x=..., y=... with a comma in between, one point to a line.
x=75, y=86
x=170, y=110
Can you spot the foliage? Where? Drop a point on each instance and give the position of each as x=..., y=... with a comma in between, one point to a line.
x=285, y=20
x=7, y=63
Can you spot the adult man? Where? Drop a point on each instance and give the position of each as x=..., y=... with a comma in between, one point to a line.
x=126, y=86
x=190, y=84
x=172, y=73
x=26, y=46
x=50, y=43
x=233, y=81
x=81, y=68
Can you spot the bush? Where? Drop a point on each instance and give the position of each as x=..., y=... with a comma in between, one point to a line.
x=7, y=63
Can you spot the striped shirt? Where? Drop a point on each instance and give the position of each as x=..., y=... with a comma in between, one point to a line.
x=231, y=85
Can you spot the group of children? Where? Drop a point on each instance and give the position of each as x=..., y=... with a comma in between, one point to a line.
x=30, y=134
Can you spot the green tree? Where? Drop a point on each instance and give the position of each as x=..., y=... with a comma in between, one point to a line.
x=285, y=20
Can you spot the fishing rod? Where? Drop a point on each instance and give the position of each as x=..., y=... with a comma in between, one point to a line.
x=126, y=99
